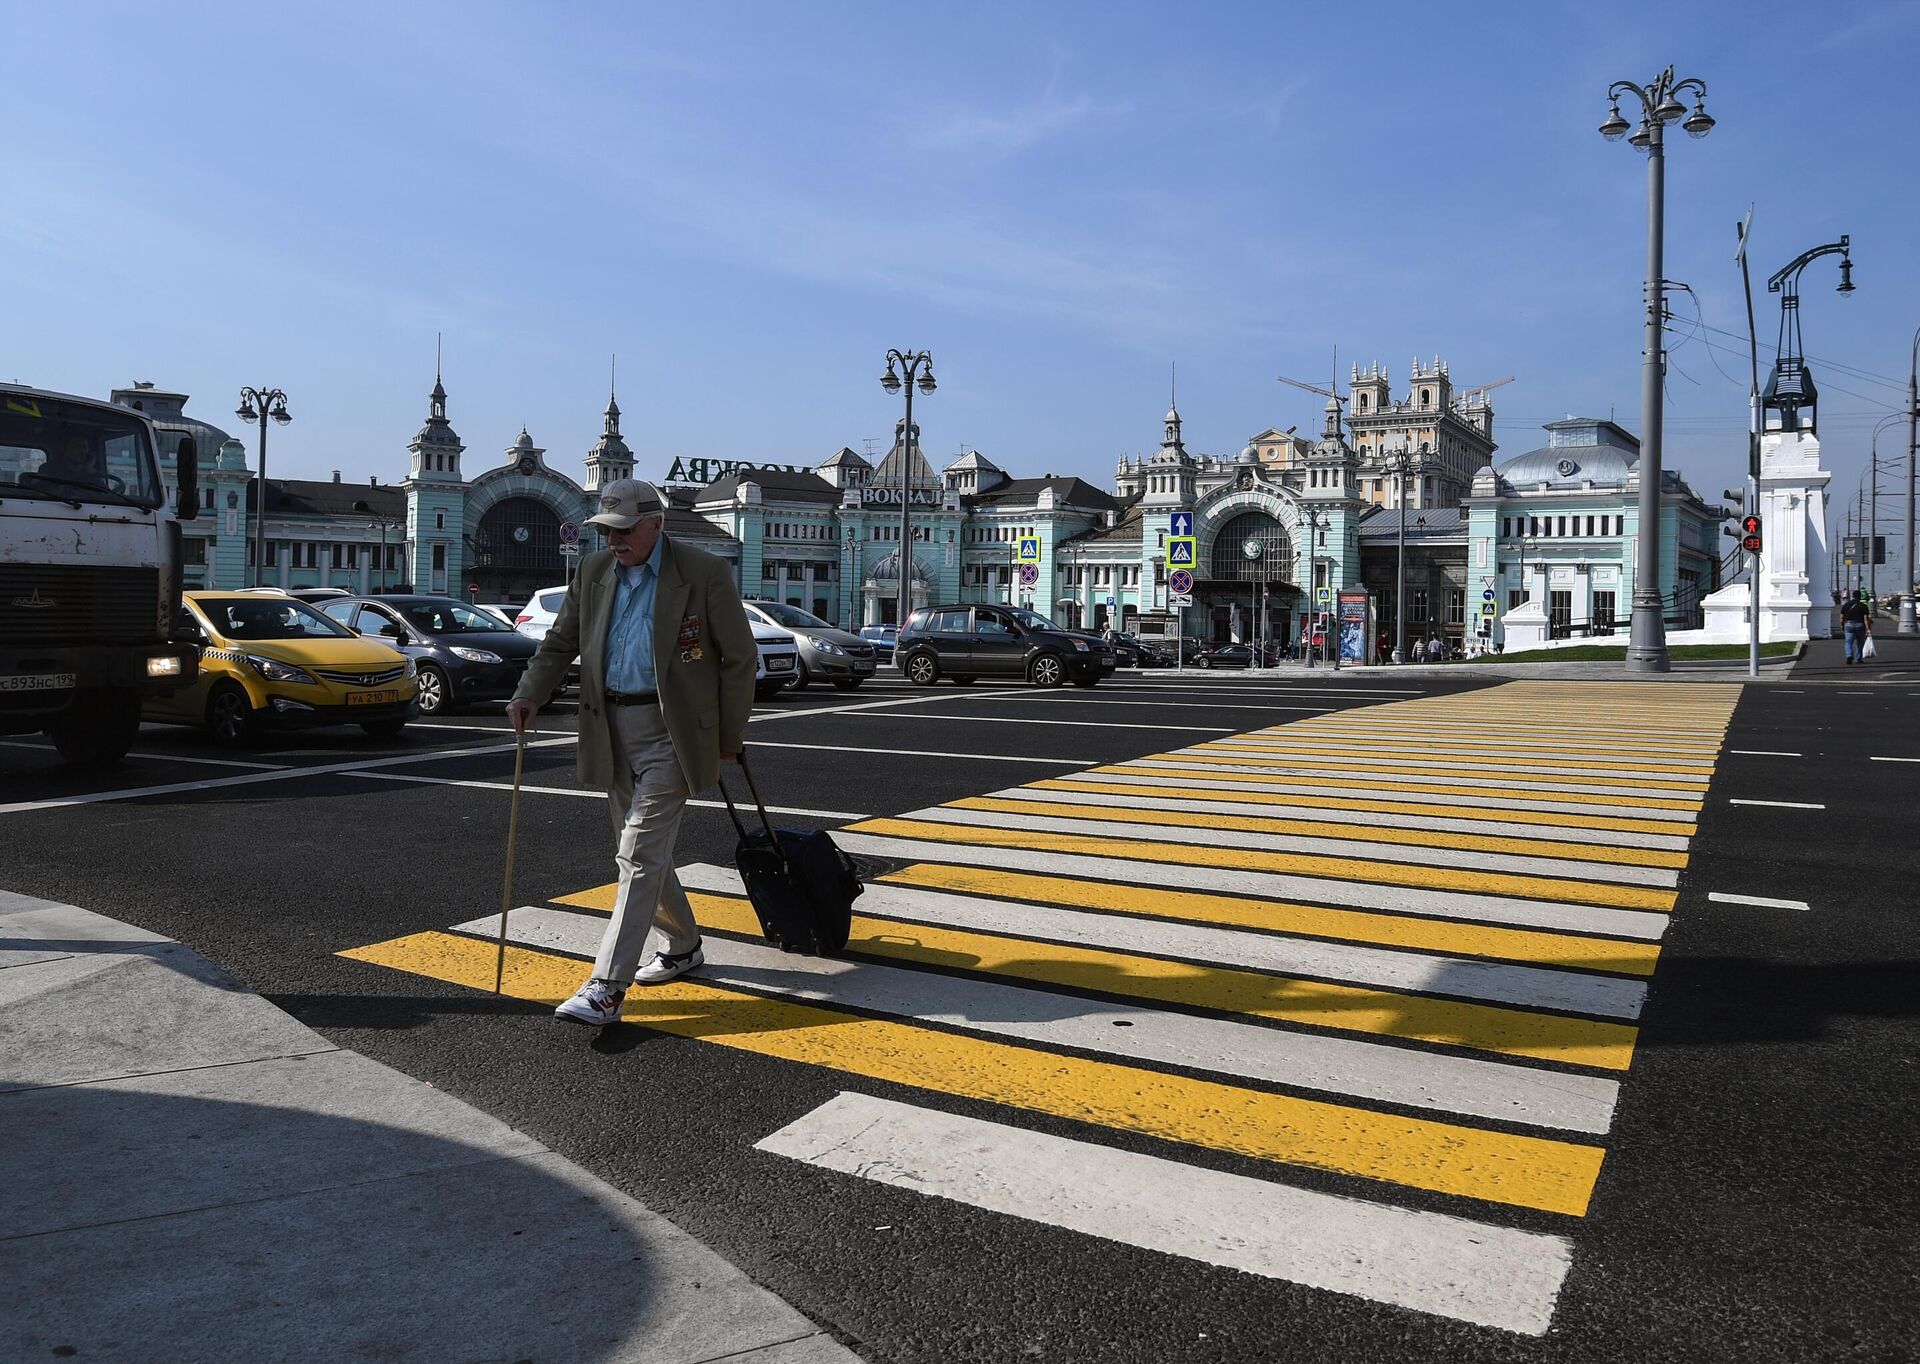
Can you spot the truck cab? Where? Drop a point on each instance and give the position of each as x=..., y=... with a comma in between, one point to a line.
x=90, y=571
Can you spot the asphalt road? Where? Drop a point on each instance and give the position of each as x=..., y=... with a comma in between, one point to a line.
x=1755, y=1200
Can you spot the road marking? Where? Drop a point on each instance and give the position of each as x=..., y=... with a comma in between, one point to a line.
x=1720, y=897
x=1349, y=1067
x=46, y=746
x=1427, y=1261
x=1083, y=695
x=1778, y=804
x=592, y=795
x=1465, y=789
x=926, y=753
x=1519, y=1170
x=1081, y=724
x=868, y=705
x=1127, y=929
x=1764, y=753
x=1876, y=758
x=1354, y=759
x=1204, y=758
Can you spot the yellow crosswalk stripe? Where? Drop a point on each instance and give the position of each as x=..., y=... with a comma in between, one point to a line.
x=1361, y=833
x=1347, y=781
x=1212, y=753
x=1298, y=864
x=1531, y=946
x=1448, y=1158
x=1308, y=1003
x=1544, y=818
x=1517, y=764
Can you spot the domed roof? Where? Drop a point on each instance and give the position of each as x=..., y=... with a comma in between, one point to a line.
x=523, y=441
x=1579, y=450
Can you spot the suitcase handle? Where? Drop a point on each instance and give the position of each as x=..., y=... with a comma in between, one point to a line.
x=765, y=819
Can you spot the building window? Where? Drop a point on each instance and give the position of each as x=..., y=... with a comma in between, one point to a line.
x=1456, y=606
x=1515, y=596
x=1506, y=527
x=1603, y=612
x=273, y=554
x=193, y=551
x=1417, y=604
x=1560, y=611
x=439, y=520
x=768, y=570
x=440, y=558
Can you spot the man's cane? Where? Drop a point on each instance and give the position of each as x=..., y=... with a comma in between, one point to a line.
x=513, y=830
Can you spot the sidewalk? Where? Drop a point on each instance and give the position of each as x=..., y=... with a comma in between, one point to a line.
x=194, y=1175
x=1896, y=658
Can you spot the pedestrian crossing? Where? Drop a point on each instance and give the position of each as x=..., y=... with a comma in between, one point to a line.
x=1391, y=956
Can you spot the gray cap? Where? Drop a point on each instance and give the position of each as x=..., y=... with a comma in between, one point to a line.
x=624, y=501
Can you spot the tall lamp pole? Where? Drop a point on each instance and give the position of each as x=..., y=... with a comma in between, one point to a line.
x=914, y=367
x=256, y=405
x=1907, y=624
x=1399, y=467
x=1660, y=105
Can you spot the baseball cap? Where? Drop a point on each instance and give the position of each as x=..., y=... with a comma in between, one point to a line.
x=624, y=501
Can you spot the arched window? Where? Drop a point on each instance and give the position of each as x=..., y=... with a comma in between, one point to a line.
x=1274, y=561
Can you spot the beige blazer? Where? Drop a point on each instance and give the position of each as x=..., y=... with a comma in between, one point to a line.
x=703, y=655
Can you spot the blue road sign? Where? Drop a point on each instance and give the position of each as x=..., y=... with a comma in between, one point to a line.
x=1180, y=523
x=1181, y=550
x=1029, y=550
x=1181, y=581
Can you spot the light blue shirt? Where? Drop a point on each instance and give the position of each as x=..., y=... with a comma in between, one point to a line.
x=630, y=636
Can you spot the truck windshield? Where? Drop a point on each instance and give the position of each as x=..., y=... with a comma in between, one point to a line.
x=75, y=452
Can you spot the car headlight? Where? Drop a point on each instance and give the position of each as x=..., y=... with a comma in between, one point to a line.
x=827, y=646
x=475, y=655
x=1080, y=646
x=275, y=671
x=413, y=669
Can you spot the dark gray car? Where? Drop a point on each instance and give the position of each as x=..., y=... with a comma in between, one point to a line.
x=463, y=655
x=827, y=654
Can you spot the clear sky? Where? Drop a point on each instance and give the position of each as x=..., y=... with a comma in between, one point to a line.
x=750, y=202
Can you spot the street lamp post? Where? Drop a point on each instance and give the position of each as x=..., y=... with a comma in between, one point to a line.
x=256, y=405
x=1660, y=105
x=914, y=366
x=1319, y=520
x=363, y=505
x=1907, y=624
x=1399, y=466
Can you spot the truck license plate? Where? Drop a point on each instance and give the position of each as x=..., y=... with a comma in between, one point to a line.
x=37, y=682
x=371, y=698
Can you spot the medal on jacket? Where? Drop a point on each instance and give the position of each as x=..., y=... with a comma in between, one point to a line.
x=690, y=639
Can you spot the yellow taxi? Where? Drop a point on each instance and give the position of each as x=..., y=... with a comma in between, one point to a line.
x=268, y=661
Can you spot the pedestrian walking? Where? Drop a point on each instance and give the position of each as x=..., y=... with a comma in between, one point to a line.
x=667, y=661
x=1856, y=623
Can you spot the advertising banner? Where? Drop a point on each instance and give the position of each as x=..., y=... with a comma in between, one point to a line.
x=1353, y=615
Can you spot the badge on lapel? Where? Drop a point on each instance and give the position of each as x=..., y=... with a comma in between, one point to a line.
x=690, y=639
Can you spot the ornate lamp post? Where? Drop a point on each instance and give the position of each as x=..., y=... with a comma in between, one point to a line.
x=1907, y=624
x=914, y=367
x=256, y=405
x=362, y=505
x=1660, y=105
x=1401, y=457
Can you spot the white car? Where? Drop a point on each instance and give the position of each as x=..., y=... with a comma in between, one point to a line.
x=779, y=660
x=537, y=616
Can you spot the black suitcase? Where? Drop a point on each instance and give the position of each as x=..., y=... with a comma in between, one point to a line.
x=801, y=885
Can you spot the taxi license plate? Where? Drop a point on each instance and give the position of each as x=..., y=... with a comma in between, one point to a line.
x=37, y=682
x=372, y=698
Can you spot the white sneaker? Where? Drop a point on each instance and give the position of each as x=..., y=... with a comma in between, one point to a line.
x=665, y=966
x=596, y=1004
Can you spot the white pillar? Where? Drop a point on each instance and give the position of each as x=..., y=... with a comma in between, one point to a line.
x=1795, y=590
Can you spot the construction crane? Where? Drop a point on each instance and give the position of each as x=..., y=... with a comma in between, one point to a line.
x=1460, y=398
x=1312, y=388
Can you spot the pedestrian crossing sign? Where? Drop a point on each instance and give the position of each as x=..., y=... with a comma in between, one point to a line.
x=1181, y=551
x=1029, y=550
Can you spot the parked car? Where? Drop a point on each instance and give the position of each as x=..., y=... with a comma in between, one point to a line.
x=462, y=655
x=273, y=662
x=533, y=619
x=506, y=610
x=1127, y=651
x=1225, y=656
x=826, y=654
x=966, y=642
x=779, y=665
x=881, y=637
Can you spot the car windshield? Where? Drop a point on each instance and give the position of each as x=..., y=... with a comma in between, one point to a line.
x=1033, y=620
x=449, y=618
x=791, y=616
x=238, y=618
x=75, y=452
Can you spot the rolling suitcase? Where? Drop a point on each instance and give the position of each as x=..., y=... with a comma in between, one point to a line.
x=801, y=885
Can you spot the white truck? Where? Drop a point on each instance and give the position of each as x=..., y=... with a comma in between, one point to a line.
x=90, y=571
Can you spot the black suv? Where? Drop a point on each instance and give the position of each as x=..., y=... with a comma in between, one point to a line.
x=462, y=654
x=965, y=642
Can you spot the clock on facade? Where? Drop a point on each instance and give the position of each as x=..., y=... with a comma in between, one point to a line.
x=521, y=535
x=1252, y=548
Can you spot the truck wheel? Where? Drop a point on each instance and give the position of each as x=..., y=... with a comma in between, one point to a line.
x=922, y=670
x=1047, y=671
x=230, y=717
x=97, y=735
x=385, y=729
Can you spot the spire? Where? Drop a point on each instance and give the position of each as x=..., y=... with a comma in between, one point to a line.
x=438, y=398
x=613, y=408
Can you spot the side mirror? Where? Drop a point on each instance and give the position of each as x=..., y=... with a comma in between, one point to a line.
x=186, y=465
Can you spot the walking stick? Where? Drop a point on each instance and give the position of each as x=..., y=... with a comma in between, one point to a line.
x=506, y=889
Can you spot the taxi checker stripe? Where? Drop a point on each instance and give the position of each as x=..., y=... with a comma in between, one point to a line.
x=1362, y=1069
x=1442, y=1157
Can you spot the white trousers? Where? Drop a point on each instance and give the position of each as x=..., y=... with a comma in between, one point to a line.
x=648, y=795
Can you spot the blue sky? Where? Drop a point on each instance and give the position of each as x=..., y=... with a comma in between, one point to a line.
x=750, y=203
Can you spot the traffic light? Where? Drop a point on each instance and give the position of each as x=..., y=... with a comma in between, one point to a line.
x=1750, y=534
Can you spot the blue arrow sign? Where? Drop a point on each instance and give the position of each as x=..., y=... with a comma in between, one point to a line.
x=1180, y=523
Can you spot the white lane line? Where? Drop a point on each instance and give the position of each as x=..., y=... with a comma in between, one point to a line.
x=882, y=705
x=1335, y=776
x=253, y=778
x=1778, y=804
x=1550, y=833
x=1164, y=704
x=1721, y=898
x=1081, y=724
x=1764, y=753
x=1307, y=845
x=1491, y=982
x=1429, y=1262
x=46, y=747
x=1323, y=787
x=1132, y=1034
x=590, y=795
x=1553, y=915
x=1878, y=759
x=928, y=753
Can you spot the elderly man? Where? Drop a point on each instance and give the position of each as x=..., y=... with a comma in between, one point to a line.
x=667, y=660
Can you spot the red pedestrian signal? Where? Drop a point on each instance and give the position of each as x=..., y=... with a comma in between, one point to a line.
x=1750, y=534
